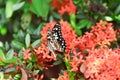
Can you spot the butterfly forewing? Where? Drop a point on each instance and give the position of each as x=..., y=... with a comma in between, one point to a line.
x=57, y=35
x=55, y=40
x=56, y=31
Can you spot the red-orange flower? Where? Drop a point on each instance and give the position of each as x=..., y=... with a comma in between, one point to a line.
x=102, y=64
x=100, y=35
x=76, y=60
x=104, y=31
x=57, y=4
x=27, y=54
x=95, y=43
x=43, y=56
x=64, y=6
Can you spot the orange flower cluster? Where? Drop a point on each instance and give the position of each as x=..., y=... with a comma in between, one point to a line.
x=42, y=53
x=100, y=35
x=64, y=6
x=102, y=64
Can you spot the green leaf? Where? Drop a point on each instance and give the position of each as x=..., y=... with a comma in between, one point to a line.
x=2, y=56
x=82, y=24
x=37, y=31
x=13, y=60
x=56, y=15
x=72, y=75
x=108, y=18
x=78, y=31
x=10, y=69
x=57, y=62
x=10, y=54
x=34, y=59
x=9, y=8
x=1, y=44
x=40, y=7
x=6, y=46
x=73, y=24
x=20, y=35
x=17, y=76
x=29, y=66
x=3, y=30
x=26, y=19
x=16, y=44
x=36, y=72
x=27, y=40
x=2, y=63
x=67, y=63
x=73, y=20
x=89, y=25
x=117, y=17
x=18, y=5
x=36, y=43
x=1, y=76
x=117, y=11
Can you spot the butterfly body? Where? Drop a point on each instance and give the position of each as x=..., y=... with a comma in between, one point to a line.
x=55, y=39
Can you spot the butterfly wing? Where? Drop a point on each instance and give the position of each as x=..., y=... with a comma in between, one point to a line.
x=55, y=39
x=57, y=35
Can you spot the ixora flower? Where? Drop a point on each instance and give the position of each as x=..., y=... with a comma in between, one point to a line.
x=27, y=54
x=101, y=34
x=102, y=64
x=64, y=6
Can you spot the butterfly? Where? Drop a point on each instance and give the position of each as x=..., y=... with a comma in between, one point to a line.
x=55, y=40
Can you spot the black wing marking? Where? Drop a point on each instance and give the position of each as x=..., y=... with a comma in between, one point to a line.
x=57, y=34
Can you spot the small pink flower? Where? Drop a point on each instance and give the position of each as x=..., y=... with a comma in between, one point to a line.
x=27, y=54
